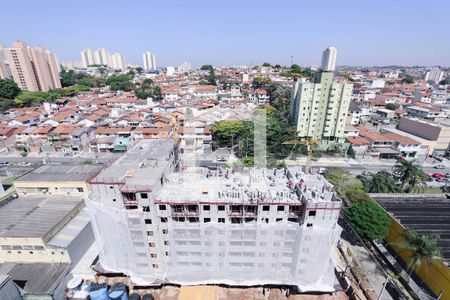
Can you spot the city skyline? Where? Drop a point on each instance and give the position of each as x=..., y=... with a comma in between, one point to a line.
x=184, y=34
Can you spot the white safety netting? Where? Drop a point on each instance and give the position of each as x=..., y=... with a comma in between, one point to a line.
x=198, y=253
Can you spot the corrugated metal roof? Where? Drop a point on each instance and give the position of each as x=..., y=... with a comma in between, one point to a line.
x=61, y=173
x=35, y=216
x=72, y=229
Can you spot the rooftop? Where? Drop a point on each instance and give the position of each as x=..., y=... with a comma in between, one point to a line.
x=61, y=173
x=141, y=165
x=36, y=217
x=251, y=186
x=424, y=213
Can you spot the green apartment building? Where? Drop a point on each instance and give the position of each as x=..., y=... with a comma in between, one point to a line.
x=319, y=108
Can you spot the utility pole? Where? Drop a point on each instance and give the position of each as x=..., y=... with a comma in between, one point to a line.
x=384, y=287
x=292, y=60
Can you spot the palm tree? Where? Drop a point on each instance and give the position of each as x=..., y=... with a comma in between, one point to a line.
x=424, y=248
x=410, y=174
x=381, y=182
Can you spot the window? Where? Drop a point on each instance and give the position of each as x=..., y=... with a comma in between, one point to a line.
x=162, y=207
x=166, y=243
x=152, y=245
x=280, y=208
x=266, y=208
x=221, y=220
x=312, y=213
x=221, y=207
x=148, y=221
x=150, y=233
x=144, y=195
x=163, y=220
x=309, y=225
x=206, y=207
x=153, y=255
x=80, y=190
x=279, y=220
x=165, y=231
x=155, y=266
x=146, y=208
x=206, y=220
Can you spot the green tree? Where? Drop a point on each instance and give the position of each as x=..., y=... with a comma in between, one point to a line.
x=408, y=79
x=344, y=182
x=369, y=220
x=266, y=64
x=296, y=68
x=8, y=89
x=391, y=106
x=225, y=132
x=280, y=97
x=424, y=249
x=410, y=174
x=277, y=66
x=67, y=77
x=381, y=182
x=203, y=82
x=357, y=195
x=206, y=68
x=139, y=70
x=120, y=82
x=259, y=82
x=351, y=152
x=145, y=89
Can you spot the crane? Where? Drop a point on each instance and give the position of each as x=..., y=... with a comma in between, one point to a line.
x=309, y=142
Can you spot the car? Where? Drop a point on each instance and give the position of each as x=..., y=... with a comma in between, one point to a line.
x=440, y=166
x=438, y=175
x=24, y=164
x=221, y=158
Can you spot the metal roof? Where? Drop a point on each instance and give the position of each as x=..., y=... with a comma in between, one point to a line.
x=36, y=216
x=61, y=173
x=35, y=278
x=424, y=213
x=71, y=230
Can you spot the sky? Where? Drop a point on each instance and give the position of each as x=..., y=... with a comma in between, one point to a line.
x=245, y=32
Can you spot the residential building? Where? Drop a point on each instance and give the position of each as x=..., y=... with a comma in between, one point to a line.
x=102, y=57
x=149, y=61
x=434, y=75
x=329, y=59
x=33, y=69
x=424, y=112
x=87, y=58
x=118, y=61
x=184, y=68
x=197, y=225
x=4, y=70
x=260, y=97
x=320, y=108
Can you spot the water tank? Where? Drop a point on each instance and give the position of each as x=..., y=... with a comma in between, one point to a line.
x=99, y=291
x=148, y=297
x=118, y=291
x=134, y=296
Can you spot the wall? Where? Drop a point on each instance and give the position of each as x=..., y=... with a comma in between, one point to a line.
x=62, y=188
x=40, y=253
x=436, y=276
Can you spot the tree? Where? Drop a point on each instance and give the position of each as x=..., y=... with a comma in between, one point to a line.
x=410, y=174
x=408, y=79
x=188, y=115
x=369, y=220
x=139, y=70
x=351, y=152
x=120, y=82
x=67, y=78
x=296, y=68
x=226, y=131
x=356, y=195
x=8, y=89
x=277, y=66
x=266, y=64
x=381, y=182
x=259, y=82
x=203, y=82
x=423, y=248
x=280, y=97
x=344, y=182
x=206, y=68
x=391, y=106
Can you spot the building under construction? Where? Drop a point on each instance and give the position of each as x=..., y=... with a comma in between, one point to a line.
x=158, y=224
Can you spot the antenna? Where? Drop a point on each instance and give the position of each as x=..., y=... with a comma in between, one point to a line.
x=292, y=60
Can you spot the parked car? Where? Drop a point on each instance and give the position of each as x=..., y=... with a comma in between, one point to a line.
x=438, y=175
x=440, y=166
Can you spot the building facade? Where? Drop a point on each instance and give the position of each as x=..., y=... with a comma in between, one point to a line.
x=149, y=61
x=87, y=58
x=320, y=108
x=329, y=59
x=156, y=223
x=33, y=69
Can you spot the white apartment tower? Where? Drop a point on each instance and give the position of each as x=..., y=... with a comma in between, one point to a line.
x=118, y=61
x=319, y=108
x=149, y=61
x=4, y=71
x=156, y=223
x=33, y=69
x=435, y=75
x=102, y=57
x=329, y=59
x=87, y=58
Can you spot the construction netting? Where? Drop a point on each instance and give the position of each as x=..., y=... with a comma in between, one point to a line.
x=252, y=253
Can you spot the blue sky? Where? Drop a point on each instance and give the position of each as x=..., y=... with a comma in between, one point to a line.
x=380, y=32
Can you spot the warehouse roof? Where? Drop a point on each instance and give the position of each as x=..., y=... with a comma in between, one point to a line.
x=61, y=173
x=424, y=213
x=37, y=216
x=35, y=278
